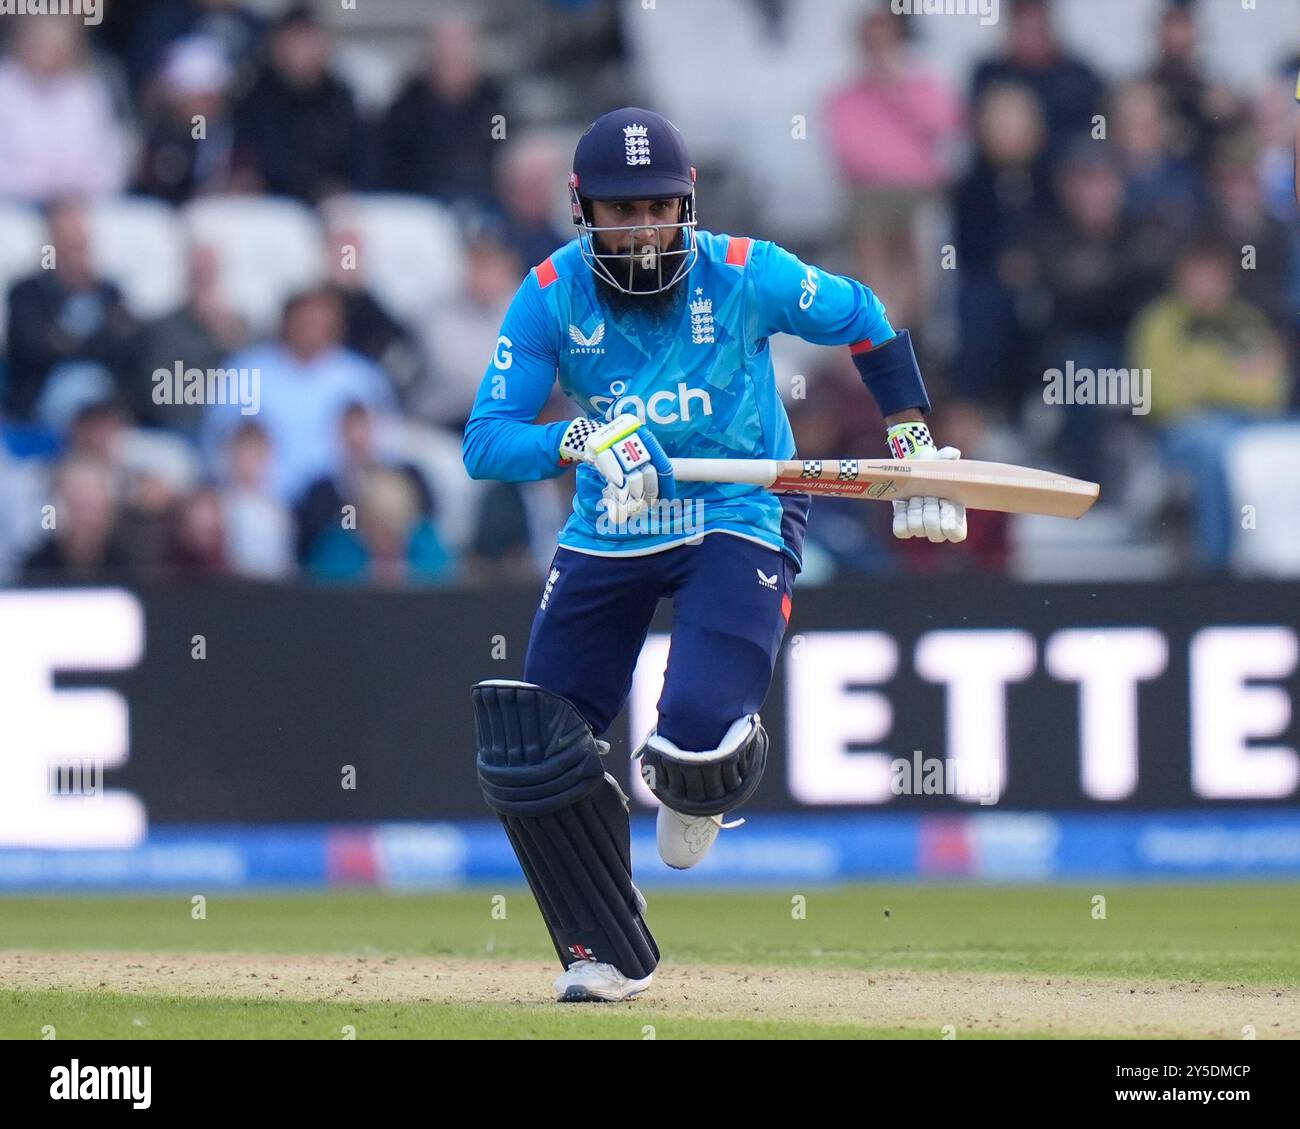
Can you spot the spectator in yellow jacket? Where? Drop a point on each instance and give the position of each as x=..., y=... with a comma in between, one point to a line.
x=1216, y=366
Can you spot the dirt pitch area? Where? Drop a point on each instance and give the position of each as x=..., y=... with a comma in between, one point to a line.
x=991, y=1003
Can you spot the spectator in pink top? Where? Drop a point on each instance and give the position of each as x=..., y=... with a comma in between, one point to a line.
x=890, y=132
x=59, y=135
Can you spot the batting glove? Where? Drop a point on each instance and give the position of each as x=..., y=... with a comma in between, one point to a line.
x=635, y=467
x=935, y=518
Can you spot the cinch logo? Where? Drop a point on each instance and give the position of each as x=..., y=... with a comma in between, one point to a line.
x=663, y=406
x=809, y=288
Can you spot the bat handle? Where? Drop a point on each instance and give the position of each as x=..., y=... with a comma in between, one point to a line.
x=750, y=472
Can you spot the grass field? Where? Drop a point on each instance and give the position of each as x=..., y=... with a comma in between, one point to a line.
x=913, y=961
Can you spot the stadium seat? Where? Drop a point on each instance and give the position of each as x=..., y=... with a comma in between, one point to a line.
x=1263, y=468
x=753, y=86
x=697, y=73
x=373, y=74
x=139, y=244
x=410, y=250
x=269, y=246
x=1105, y=546
x=22, y=232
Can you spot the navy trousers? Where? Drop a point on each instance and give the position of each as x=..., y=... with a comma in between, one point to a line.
x=731, y=603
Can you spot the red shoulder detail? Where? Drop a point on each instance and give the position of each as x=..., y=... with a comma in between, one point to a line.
x=738, y=250
x=546, y=273
x=864, y=346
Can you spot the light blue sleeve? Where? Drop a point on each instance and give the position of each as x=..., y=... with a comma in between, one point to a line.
x=501, y=441
x=219, y=421
x=827, y=309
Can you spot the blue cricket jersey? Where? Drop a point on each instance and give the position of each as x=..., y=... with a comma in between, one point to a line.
x=702, y=381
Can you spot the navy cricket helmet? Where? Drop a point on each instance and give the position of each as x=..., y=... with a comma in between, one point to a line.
x=635, y=154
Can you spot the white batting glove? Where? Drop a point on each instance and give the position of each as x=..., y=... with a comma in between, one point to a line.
x=935, y=518
x=635, y=467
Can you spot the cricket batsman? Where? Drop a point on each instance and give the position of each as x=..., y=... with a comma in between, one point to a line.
x=658, y=331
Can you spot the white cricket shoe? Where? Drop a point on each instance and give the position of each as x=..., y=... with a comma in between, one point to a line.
x=589, y=981
x=685, y=839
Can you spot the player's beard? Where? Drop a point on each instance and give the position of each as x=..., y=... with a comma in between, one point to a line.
x=643, y=299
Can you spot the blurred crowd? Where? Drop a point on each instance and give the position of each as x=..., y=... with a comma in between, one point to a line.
x=1038, y=218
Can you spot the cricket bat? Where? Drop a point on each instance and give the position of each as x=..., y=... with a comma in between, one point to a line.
x=977, y=485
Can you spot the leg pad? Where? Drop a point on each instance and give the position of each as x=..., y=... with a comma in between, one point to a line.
x=540, y=770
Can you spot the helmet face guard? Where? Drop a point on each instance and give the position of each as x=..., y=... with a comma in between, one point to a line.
x=621, y=269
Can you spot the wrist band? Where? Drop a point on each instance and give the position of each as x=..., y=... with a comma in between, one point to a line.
x=892, y=375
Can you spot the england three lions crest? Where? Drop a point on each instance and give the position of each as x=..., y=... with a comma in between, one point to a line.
x=636, y=144
x=701, y=318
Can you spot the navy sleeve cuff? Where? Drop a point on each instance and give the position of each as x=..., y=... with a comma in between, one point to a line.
x=892, y=375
